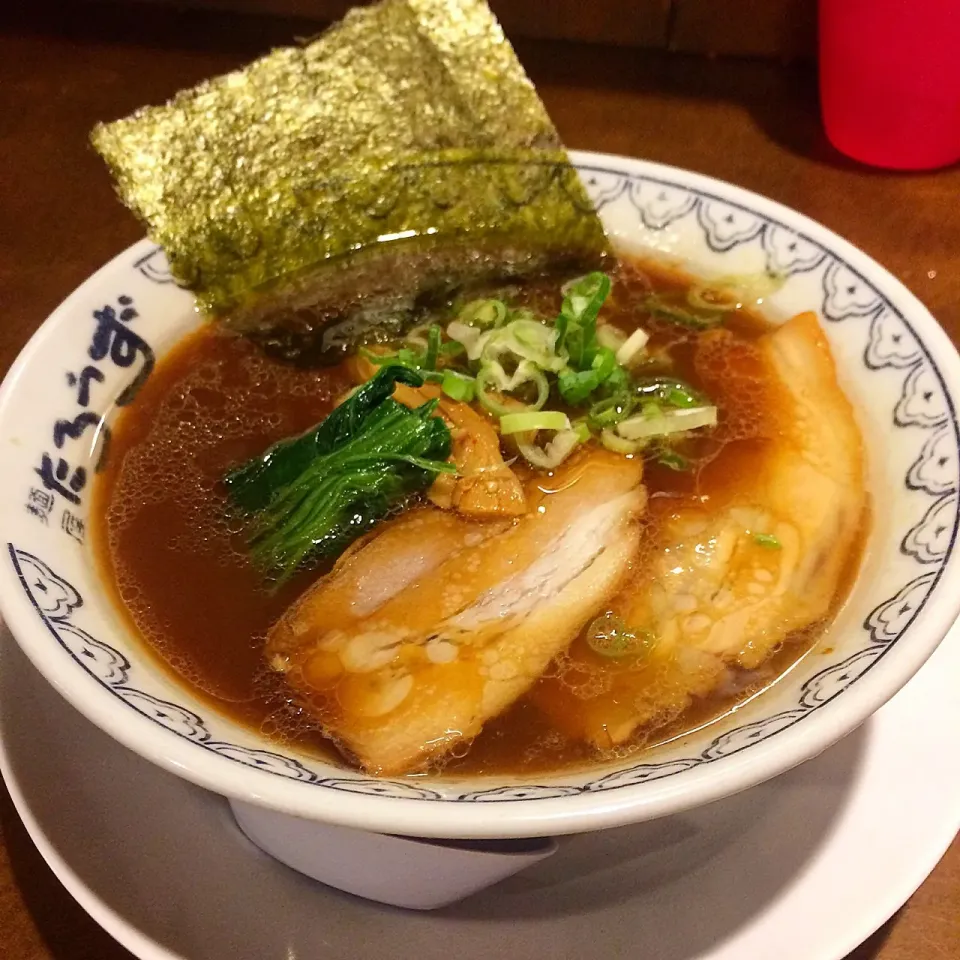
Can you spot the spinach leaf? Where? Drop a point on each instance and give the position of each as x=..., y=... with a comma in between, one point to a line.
x=310, y=497
x=252, y=484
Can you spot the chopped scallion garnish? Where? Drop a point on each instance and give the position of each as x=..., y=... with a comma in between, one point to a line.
x=609, y=636
x=659, y=307
x=767, y=540
x=458, y=387
x=512, y=362
x=536, y=420
x=612, y=441
x=484, y=313
x=433, y=348
x=554, y=453
x=495, y=387
x=672, y=460
x=633, y=346
x=655, y=423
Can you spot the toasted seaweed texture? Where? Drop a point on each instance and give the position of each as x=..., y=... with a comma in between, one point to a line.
x=403, y=151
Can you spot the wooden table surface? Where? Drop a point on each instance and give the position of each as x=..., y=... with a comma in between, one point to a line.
x=753, y=123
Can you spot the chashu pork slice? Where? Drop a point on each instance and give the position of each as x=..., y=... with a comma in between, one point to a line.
x=367, y=575
x=732, y=577
x=401, y=665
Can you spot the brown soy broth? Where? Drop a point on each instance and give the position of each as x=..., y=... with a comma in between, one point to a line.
x=179, y=565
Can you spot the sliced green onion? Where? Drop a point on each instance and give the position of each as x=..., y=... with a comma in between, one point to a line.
x=666, y=423
x=458, y=387
x=603, y=363
x=472, y=338
x=576, y=385
x=705, y=296
x=452, y=348
x=633, y=346
x=767, y=540
x=417, y=336
x=534, y=420
x=616, y=444
x=570, y=284
x=618, y=382
x=681, y=398
x=609, y=636
x=734, y=291
x=669, y=392
x=609, y=412
x=657, y=307
x=526, y=340
x=582, y=429
x=493, y=378
x=554, y=453
x=521, y=313
x=584, y=297
x=611, y=337
x=433, y=348
x=577, y=324
x=673, y=460
x=404, y=357
x=483, y=313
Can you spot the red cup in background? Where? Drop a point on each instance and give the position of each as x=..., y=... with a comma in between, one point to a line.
x=890, y=80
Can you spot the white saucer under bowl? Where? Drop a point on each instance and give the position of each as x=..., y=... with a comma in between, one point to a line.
x=805, y=866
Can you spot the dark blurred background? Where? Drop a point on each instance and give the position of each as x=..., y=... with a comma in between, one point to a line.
x=769, y=28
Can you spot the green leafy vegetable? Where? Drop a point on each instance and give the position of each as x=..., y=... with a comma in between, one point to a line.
x=310, y=497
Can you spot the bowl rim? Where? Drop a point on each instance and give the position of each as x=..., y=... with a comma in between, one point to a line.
x=532, y=816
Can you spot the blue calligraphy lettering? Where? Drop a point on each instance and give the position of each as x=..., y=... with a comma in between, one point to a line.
x=74, y=429
x=123, y=346
x=83, y=378
x=54, y=477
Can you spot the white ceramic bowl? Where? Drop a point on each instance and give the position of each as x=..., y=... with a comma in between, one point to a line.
x=895, y=362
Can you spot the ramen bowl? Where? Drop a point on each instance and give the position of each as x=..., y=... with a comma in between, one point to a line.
x=88, y=360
